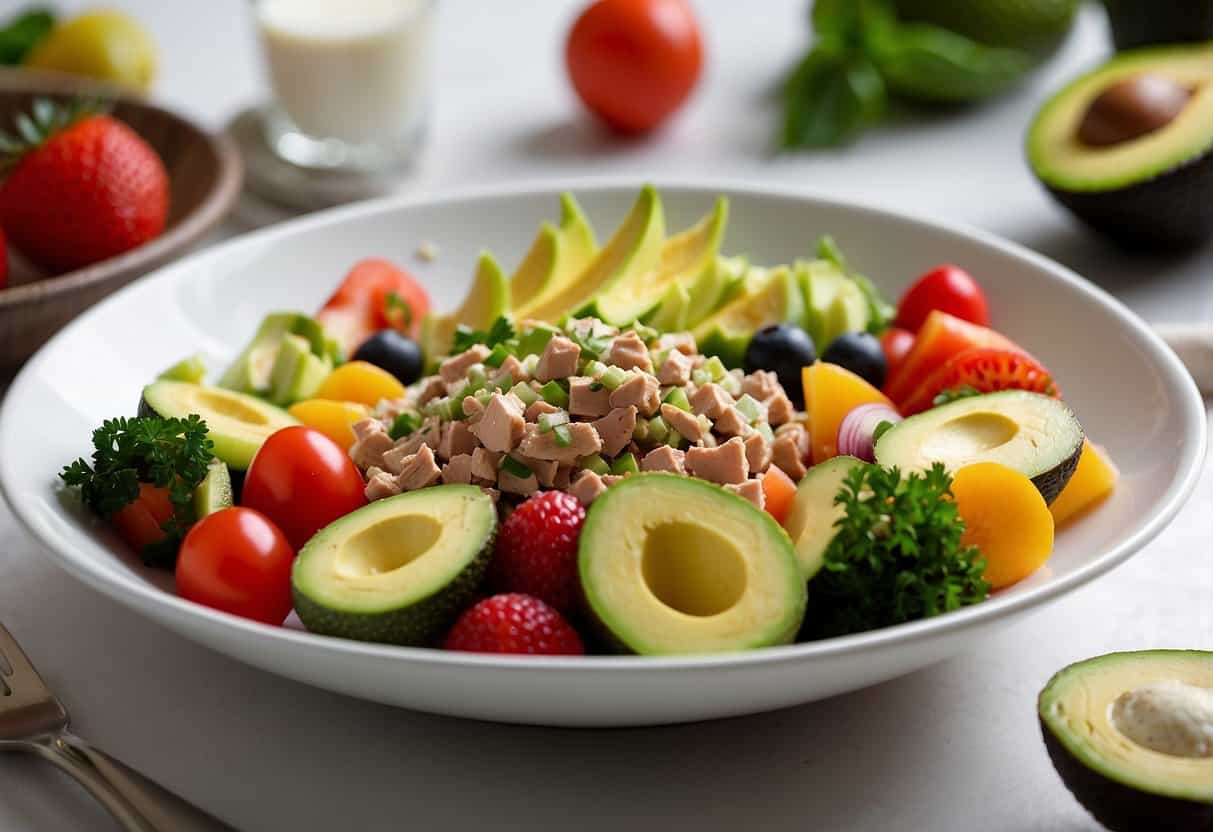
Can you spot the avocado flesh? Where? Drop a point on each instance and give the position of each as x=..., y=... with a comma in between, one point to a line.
x=251, y=371
x=811, y=521
x=555, y=259
x=399, y=570
x=215, y=492
x=635, y=248
x=1125, y=785
x=1034, y=434
x=711, y=289
x=1148, y=192
x=236, y=422
x=192, y=369
x=833, y=303
x=486, y=301
x=297, y=373
x=769, y=298
x=676, y=565
x=671, y=313
x=684, y=257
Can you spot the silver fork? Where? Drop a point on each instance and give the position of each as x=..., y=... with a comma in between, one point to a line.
x=34, y=721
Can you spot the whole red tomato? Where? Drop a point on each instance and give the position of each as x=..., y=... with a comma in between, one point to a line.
x=947, y=288
x=634, y=62
x=896, y=342
x=302, y=481
x=237, y=561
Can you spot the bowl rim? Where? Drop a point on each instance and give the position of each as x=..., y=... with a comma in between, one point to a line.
x=135, y=592
x=209, y=211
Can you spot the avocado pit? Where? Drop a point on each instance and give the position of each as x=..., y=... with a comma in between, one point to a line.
x=1170, y=717
x=1131, y=108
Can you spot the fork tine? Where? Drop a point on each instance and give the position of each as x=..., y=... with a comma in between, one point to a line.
x=14, y=663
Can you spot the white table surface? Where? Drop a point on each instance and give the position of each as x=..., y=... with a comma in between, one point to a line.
x=955, y=747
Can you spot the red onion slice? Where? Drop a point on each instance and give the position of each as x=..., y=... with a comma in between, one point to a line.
x=855, y=434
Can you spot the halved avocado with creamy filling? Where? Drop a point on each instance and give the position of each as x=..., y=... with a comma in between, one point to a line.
x=399, y=570
x=1131, y=734
x=1034, y=434
x=236, y=422
x=672, y=564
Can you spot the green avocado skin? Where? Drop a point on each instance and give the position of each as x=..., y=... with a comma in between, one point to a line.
x=1051, y=482
x=418, y=625
x=1147, y=22
x=1171, y=212
x=1119, y=807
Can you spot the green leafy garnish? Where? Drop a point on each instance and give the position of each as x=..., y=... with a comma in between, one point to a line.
x=398, y=311
x=21, y=34
x=501, y=331
x=954, y=394
x=897, y=555
x=168, y=453
x=404, y=424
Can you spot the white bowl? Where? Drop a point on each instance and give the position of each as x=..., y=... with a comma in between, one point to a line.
x=1128, y=389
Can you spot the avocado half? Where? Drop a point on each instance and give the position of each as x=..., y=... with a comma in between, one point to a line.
x=1151, y=191
x=1131, y=735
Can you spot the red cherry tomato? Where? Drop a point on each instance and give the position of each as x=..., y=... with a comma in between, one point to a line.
x=302, y=481
x=634, y=62
x=947, y=288
x=896, y=342
x=141, y=523
x=375, y=295
x=237, y=561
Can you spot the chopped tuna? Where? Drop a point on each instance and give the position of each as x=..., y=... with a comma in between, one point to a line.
x=511, y=484
x=502, y=424
x=380, y=486
x=629, y=352
x=564, y=475
x=458, y=470
x=790, y=450
x=369, y=450
x=585, y=400
x=683, y=342
x=559, y=359
x=757, y=453
x=675, y=370
x=641, y=391
x=484, y=465
x=429, y=389
x=418, y=470
x=473, y=410
x=512, y=367
x=586, y=486
x=779, y=409
x=543, y=469
x=711, y=400
x=455, y=369
x=493, y=493
x=583, y=441
x=364, y=428
x=664, y=458
x=457, y=439
x=750, y=490
x=732, y=423
x=611, y=479
x=615, y=429
x=723, y=464
x=538, y=408
x=761, y=384
x=687, y=424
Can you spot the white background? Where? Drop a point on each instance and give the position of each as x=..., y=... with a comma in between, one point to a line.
x=955, y=747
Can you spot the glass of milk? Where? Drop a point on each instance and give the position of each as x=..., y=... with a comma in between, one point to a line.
x=351, y=80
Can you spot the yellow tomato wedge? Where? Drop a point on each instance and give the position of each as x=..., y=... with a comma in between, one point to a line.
x=362, y=382
x=1093, y=480
x=830, y=392
x=332, y=418
x=1005, y=518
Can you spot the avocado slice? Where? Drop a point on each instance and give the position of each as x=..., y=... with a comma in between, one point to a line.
x=684, y=257
x=192, y=369
x=711, y=289
x=768, y=298
x=1034, y=434
x=1133, y=172
x=833, y=303
x=1131, y=735
x=236, y=422
x=672, y=311
x=672, y=564
x=811, y=521
x=486, y=301
x=252, y=369
x=215, y=492
x=556, y=258
x=634, y=249
x=297, y=372
x=399, y=570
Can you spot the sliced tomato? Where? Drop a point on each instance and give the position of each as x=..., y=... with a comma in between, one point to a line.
x=142, y=522
x=941, y=337
x=986, y=370
x=375, y=295
x=897, y=343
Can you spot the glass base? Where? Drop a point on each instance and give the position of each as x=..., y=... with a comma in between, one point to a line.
x=293, y=145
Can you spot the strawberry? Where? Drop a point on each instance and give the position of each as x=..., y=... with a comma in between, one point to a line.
x=80, y=187
x=536, y=549
x=514, y=623
x=982, y=370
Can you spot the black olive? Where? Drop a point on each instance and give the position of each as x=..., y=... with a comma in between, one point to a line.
x=785, y=350
x=391, y=351
x=861, y=353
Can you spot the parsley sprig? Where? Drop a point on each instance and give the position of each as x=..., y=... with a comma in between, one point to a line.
x=501, y=331
x=897, y=554
x=169, y=453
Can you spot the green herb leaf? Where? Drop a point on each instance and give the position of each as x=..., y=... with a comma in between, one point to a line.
x=404, y=424
x=896, y=555
x=831, y=97
x=465, y=337
x=22, y=33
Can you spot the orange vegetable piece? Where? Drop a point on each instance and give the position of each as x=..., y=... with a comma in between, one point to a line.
x=1093, y=480
x=360, y=381
x=778, y=492
x=830, y=392
x=332, y=418
x=1005, y=518
x=941, y=337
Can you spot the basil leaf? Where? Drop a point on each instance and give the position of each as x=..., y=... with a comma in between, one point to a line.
x=22, y=33
x=923, y=61
x=836, y=19
x=831, y=97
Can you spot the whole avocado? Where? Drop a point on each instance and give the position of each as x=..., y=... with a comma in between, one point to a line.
x=1038, y=26
x=1145, y=23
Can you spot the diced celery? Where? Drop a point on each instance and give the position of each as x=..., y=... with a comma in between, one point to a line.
x=659, y=431
x=529, y=364
x=476, y=376
x=751, y=408
x=553, y=393
x=613, y=377
x=404, y=424
x=640, y=433
x=595, y=463
x=625, y=464
x=513, y=466
x=524, y=392
x=562, y=436
x=482, y=396
x=533, y=341
x=716, y=367
x=764, y=430
x=678, y=398
x=701, y=377
x=730, y=384
x=498, y=356
x=547, y=421
x=674, y=440
x=595, y=368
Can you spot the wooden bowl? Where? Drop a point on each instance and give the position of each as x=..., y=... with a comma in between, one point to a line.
x=205, y=173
